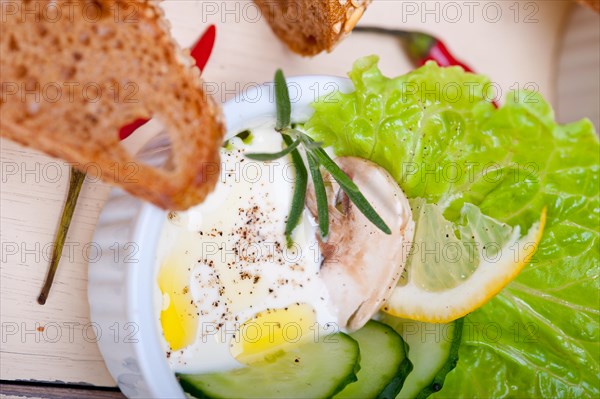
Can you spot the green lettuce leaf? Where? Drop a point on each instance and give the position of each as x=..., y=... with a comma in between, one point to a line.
x=436, y=132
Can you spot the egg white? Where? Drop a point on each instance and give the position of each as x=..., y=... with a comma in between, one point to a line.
x=247, y=211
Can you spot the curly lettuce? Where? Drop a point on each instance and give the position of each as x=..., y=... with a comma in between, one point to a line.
x=437, y=133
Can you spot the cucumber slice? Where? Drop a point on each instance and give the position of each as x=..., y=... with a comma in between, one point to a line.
x=433, y=350
x=384, y=364
x=307, y=370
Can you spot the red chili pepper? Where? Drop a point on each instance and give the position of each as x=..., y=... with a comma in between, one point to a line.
x=203, y=48
x=422, y=47
x=439, y=53
x=201, y=53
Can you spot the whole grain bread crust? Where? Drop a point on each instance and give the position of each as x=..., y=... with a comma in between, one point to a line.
x=309, y=27
x=593, y=4
x=70, y=82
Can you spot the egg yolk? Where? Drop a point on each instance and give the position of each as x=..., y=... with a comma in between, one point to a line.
x=179, y=317
x=271, y=331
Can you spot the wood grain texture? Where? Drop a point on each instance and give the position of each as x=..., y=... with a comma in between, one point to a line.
x=578, y=77
x=10, y=391
x=246, y=53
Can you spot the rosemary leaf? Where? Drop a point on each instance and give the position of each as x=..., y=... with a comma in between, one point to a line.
x=299, y=192
x=260, y=156
x=320, y=194
x=76, y=181
x=363, y=205
x=316, y=157
x=282, y=99
x=339, y=175
x=313, y=144
x=350, y=189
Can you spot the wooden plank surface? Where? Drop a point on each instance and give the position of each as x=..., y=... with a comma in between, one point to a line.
x=55, y=342
x=10, y=390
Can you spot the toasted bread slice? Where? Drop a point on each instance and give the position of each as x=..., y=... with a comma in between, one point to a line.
x=593, y=4
x=70, y=80
x=311, y=26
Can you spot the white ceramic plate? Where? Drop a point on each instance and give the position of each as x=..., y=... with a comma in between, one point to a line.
x=122, y=283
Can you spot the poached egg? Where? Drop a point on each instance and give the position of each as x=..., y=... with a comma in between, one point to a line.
x=230, y=287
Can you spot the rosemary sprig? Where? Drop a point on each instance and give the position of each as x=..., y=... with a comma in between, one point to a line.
x=299, y=195
x=76, y=181
x=282, y=98
x=316, y=157
x=320, y=194
x=350, y=189
x=261, y=156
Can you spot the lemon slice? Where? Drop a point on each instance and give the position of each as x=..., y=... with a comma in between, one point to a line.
x=454, y=269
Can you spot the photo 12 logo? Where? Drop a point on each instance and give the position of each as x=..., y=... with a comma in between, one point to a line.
x=54, y=171
x=23, y=252
x=254, y=92
x=33, y=93
x=52, y=12
x=69, y=332
x=269, y=332
x=454, y=12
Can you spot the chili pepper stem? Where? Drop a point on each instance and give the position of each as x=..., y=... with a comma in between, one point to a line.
x=76, y=181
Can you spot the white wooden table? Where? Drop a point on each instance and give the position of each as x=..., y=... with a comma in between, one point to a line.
x=55, y=342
